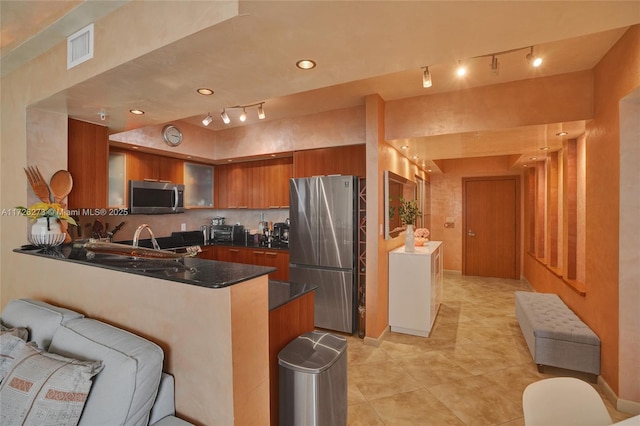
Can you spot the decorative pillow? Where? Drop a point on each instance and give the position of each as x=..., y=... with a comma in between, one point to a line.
x=20, y=332
x=45, y=389
x=8, y=343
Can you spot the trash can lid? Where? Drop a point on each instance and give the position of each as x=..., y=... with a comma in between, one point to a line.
x=312, y=352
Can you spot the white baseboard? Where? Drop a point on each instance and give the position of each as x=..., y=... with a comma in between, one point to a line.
x=626, y=406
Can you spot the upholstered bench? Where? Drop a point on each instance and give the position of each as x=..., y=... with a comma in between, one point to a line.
x=555, y=335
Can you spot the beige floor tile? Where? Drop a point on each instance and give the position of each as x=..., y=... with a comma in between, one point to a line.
x=414, y=408
x=432, y=368
x=477, y=403
x=363, y=415
x=378, y=380
x=471, y=370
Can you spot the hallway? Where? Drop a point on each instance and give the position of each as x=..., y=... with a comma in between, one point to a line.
x=472, y=370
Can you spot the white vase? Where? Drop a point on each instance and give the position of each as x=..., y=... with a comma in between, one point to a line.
x=409, y=239
x=46, y=232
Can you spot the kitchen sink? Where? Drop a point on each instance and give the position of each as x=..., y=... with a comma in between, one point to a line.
x=141, y=264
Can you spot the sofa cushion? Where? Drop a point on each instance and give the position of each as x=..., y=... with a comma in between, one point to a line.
x=44, y=389
x=8, y=343
x=124, y=392
x=40, y=318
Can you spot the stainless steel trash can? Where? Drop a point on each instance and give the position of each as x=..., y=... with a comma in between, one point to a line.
x=313, y=381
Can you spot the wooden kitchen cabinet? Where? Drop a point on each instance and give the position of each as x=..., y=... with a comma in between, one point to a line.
x=142, y=165
x=275, y=258
x=261, y=184
x=341, y=160
x=88, y=163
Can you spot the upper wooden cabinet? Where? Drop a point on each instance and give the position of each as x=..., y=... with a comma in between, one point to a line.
x=88, y=162
x=262, y=184
x=141, y=166
x=341, y=160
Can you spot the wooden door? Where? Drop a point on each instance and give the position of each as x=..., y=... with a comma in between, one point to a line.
x=491, y=223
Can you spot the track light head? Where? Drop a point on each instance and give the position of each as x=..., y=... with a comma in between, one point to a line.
x=243, y=116
x=207, y=120
x=261, y=114
x=536, y=61
x=494, y=65
x=462, y=70
x=225, y=117
x=426, y=78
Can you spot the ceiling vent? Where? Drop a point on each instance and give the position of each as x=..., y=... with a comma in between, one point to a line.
x=80, y=46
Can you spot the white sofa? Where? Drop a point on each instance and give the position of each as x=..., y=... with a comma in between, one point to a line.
x=129, y=387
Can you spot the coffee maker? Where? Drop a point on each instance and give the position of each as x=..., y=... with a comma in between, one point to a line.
x=281, y=232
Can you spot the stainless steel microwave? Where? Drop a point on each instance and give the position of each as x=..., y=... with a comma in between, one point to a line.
x=150, y=197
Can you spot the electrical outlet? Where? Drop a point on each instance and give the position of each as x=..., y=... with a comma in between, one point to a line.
x=183, y=226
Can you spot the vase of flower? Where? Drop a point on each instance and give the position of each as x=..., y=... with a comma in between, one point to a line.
x=409, y=239
x=408, y=211
x=46, y=230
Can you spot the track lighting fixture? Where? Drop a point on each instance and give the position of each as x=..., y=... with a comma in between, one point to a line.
x=536, y=61
x=462, y=70
x=494, y=64
x=243, y=114
x=426, y=78
x=207, y=120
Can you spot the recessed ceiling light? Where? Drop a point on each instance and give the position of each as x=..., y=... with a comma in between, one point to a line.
x=524, y=165
x=205, y=91
x=306, y=64
x=544, y=148
x=461, y=70
x=562, y=133
x=404, y=147
x=533, y=158
x=429, y=170
x=415, y=157
x=136, y=111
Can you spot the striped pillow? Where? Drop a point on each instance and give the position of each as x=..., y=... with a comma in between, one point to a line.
x=45, y=389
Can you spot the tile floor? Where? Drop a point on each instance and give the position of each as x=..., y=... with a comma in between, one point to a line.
x=472, y=370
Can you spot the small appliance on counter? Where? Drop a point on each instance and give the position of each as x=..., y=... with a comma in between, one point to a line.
x=218, y=220
x=227, y=233
x=281, y=232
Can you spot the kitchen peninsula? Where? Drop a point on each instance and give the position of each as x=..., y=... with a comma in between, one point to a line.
x=210, y=318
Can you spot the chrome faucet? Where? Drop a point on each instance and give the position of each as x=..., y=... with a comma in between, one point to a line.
x=136, y=236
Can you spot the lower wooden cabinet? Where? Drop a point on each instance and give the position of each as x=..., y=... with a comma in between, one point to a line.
x=253, y=256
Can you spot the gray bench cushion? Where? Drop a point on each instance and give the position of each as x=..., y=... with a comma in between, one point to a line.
x=555, y=335
x=552, y=319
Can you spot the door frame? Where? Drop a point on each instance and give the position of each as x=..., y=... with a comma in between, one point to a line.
x=517, y=213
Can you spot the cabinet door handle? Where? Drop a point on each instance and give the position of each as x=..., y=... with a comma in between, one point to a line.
x=234, y=250
x=270, y=253
x=242, y=207
x=258, y=252
x=274, y=207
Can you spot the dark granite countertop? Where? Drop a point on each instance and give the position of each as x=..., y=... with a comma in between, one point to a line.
x=194, y=238
x=282, y=292
x=194, y=271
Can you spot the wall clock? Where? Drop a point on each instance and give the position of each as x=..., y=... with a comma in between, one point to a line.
x=172, y=135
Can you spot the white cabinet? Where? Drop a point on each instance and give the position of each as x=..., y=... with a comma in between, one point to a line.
x=415, y=288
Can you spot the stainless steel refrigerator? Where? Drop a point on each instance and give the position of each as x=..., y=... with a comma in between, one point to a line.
x=323, y=246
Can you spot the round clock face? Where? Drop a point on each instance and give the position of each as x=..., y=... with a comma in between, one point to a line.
x=172, y=135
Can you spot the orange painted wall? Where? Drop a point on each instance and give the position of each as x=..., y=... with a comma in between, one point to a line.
x=616, y=75
x=554, y=99
x=380, y=157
